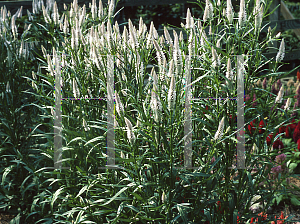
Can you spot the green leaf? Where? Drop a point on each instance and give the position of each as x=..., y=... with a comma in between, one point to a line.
x=293, y=166
x=286, y=141
x=295, y=201
x=137, y=196
x=82, y=190
x=279, y=199
x=182, y=214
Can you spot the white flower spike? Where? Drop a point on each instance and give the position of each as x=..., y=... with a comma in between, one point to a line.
x=280, y=95
x=220, y=130
x=280, y=54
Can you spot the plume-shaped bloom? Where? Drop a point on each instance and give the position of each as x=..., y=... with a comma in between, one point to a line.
x=281, y=52
x=94, y=9
x=172, y=93
x=258, y=14
x=280, y=95
x=242, y=13
x=8, y=87
x=86, y=127
x=119, y=105
x=163, y=197
x=29, y=15
x=167, y=36
x=122, y=155
x=287, y=105
x=100, y=9
x=155, y=105
x=208, y=11
x=229, y=72
x=130, y=133
x=13, y=26
x=46, y=15
x=220, y=130
x=55, y=15
x=75, y=89
x=229, y=11
x=111, y=8
x=215, y=58
x=188, y=19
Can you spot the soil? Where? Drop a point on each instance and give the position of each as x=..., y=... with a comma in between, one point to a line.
x=5, y=218
x=289, y=209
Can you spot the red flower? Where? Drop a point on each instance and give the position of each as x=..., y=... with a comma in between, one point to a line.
x=282, y=129
x=206, y=108
x=298, y=75
x=251, y=127
x=269, y=138
x=247, y=97
x=281, y=220
x=278, y=144
x=287, y=132
x=261, y=125
x=263, y=215
x=298, y=143
x=254, y=104
x=296, y=134
x=230, y=119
